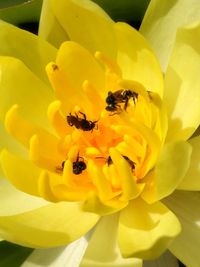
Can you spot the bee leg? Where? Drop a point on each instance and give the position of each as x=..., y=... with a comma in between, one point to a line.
x=126, y=104
x=134, y=100
x=77, y=158
x=115, y=113
x=84, y=116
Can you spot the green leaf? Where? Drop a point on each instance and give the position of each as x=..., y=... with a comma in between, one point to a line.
x=20, y=11
x=126, y=10
x=12, y=255
x=23, y=11
x=8, y=3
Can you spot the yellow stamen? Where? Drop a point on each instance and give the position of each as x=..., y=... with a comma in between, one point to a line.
x=56, y=118
x=102, y=185
x=44, y=187
x=111, y=65
x=129, y=186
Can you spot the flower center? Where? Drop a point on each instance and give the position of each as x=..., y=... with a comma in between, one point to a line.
x=110, y=141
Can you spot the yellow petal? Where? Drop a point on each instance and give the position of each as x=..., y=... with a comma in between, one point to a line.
x=13, y=201
x=137, y=59
x=169, y=171
x=161, y=22
x=186, y=205
x=146, y=230
x=48, y=226
x=191, y=180
x=29, y=48
x=182, y=94
x=103, y=250
x=24, y=89
x=23, y=174
x=85, y=23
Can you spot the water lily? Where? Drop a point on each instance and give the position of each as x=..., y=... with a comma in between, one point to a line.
x=94, y=136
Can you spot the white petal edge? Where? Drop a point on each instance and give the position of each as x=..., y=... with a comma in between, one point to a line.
x=186, y=206
x=13, y=201
x=103, y=249
x=69, y=256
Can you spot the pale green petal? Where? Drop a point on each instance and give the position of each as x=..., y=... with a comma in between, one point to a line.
x=161, y=21
x=186, y=205
x=191, y=180
x=52, y=225
x=170, y=169
x=182, y=94
x=145, y=231
x=18, y=85
x=6, y=141
x=29, y=48
x=13, y=201
x=84, y=22
x=137, y=60
x=49, y=26
x=103, y=250
x=69, y=256
x=9, y=143
x=165, y=260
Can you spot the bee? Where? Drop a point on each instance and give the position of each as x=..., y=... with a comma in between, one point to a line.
x=114, y=100
x=79, y=165
x=81, y=123
x=55, y=67
x=131, y=163
x=109, y=160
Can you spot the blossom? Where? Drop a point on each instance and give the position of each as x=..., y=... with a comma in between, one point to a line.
x=102, y=141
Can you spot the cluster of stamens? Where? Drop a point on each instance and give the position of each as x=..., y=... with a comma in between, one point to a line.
x=109, y=140
x=80, y=121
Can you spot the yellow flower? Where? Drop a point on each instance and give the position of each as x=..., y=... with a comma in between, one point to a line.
x=108, y=143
